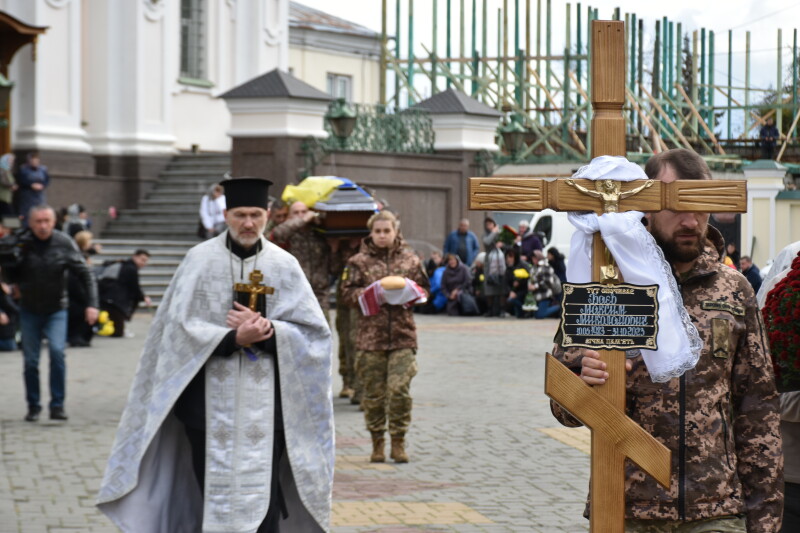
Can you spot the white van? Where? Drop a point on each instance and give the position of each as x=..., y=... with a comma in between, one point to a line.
x=553, y=227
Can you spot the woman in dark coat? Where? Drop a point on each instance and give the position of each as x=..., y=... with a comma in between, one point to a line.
x=456, y=278
x=516, y=287
x=556, y=260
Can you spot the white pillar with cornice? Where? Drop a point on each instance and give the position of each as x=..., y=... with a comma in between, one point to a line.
x=461, y=123
x=276, y=105
x=129, y=72
x=262, y=37
x=765, y=179
x=47, y=107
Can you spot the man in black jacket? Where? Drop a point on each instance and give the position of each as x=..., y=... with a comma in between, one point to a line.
x=120, y=291
x=47, y=255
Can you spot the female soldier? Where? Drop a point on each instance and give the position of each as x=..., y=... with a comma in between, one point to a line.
x=386, y=342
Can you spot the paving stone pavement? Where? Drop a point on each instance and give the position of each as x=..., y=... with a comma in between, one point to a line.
x=486, y=455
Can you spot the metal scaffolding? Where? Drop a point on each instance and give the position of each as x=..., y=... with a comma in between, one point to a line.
x=673, y=98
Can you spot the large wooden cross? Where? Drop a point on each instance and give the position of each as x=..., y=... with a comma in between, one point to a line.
x=602, y=408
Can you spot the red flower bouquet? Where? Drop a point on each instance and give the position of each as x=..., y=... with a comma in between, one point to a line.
x=507, y=235
x=781, y=314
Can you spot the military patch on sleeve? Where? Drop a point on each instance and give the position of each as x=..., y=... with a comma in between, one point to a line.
x=345, y=273
x=720, y=338
x=736, y=310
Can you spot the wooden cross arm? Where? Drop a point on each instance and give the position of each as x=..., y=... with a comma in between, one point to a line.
x=613, y=425
x=535, y=194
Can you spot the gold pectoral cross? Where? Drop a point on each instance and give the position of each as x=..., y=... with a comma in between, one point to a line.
x=254, y=288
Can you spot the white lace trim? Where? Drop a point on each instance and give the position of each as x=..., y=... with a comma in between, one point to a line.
x=680, y=364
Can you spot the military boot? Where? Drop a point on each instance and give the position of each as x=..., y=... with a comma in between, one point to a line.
x=398, y=449
x=378, y=445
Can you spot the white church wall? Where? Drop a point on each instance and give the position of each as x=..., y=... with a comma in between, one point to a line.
x=126, y=79
x=245, y=39
x=202, y=120
x=106, y=78
x=46, y=107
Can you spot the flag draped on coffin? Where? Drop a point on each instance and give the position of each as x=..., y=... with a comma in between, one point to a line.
x=345, y=206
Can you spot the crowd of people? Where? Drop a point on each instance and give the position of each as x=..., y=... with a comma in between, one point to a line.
x=512, y=276
x=52, y=285
x=267, y=333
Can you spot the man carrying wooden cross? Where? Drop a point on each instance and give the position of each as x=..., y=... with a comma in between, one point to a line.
x=719, y=419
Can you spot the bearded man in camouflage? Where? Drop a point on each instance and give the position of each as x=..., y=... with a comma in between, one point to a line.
x=386, y=342
x=720, y=419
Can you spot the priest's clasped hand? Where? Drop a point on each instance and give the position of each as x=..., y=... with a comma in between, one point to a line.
x=593, y=370
x=250, y=326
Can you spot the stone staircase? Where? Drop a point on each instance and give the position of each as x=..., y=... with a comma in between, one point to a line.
x=165, y=223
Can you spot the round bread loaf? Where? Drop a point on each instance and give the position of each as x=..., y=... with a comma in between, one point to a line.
x=393, y=282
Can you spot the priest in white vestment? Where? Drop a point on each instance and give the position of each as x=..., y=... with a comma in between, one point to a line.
x=229, y=421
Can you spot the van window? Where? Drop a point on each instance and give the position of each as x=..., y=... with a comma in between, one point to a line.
x=544, y=228
x=510, y=218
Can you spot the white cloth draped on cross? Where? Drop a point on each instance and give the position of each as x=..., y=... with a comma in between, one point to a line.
x=641, y=262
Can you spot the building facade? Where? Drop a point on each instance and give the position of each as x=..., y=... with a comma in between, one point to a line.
x=334, y=55
x=141, y=77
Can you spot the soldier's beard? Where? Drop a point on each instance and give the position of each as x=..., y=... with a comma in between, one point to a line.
x=248, y=239
x=676, y=252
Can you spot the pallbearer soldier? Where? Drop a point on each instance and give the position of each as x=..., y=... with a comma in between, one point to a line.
x=347, y=325
x=720, y=419
x=229, y=423
x=309, y=247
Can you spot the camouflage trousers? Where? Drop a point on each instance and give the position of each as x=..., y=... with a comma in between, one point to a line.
x=386, y=381
x=346, y=324
x=324, y=300
x=723, y=524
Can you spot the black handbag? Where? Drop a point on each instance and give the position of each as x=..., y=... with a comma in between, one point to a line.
x=467, y=304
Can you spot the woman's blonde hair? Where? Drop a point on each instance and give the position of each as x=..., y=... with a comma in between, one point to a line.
x=383, y=215
x=83, y=239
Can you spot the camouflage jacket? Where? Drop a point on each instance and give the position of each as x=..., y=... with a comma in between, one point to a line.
x=393, y=327
x=720, y=419
x=311, y=250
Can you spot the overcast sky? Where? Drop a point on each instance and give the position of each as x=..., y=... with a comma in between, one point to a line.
x=762, y=18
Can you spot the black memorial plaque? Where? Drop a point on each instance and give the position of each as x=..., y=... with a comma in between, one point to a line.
x=609, y=316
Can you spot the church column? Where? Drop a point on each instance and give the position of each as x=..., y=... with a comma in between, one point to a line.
x=130, y=70
x=47, y=107
x=462, y=127
x=271, y=117
x=765, y=179
x=261, y=37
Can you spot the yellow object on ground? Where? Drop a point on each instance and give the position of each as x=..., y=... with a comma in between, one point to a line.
x=108, y=326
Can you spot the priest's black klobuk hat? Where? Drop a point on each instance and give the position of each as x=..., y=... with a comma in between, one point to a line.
x=246, y=192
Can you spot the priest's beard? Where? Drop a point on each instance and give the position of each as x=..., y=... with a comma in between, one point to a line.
x=247, y=239
x=675, y=252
